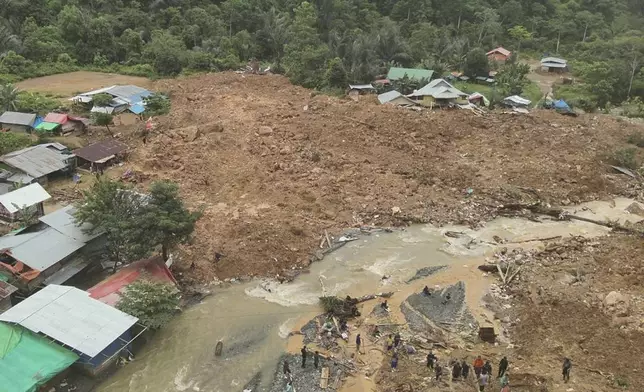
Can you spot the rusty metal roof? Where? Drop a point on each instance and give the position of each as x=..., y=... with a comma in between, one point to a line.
x=101, y=150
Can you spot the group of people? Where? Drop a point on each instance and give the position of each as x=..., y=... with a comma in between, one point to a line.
x=482, y=371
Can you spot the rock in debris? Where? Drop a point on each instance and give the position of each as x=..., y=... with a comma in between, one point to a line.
x=265, y=131
x=613, y=298
x=635, y=208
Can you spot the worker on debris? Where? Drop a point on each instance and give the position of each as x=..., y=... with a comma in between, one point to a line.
x=438, y=369
x=483, y=380
x=390, y=342
x=488, y=368
x=316, y=359
x=505, y=379
x=478, y=366
x=376, y=332
x=289, y=387
x=358, y=342
x=456, y=371
x=465, y=369
x=431, y=358
x=343, y=325
x=396, y=339
x=426, y=291
x=287, y=369
x=384, y=306
x=506, y=388
x=448, y=296
x=503, y=366
x=567, y=366
x=394, y=362
x=304, y=352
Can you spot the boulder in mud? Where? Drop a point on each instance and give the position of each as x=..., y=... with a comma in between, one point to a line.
x=636, y=208
x=265, y=131
x=614, y=298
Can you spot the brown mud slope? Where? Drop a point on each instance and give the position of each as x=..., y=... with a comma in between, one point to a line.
x=585, y=301
x=274, y=165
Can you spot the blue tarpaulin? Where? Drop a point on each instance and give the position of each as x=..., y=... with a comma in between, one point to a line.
x=562, y=105
x=137, y=108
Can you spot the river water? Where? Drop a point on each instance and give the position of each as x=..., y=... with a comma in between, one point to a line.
x=254, y=319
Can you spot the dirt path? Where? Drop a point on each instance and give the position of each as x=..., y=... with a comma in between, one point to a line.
x=545, y=80
x=68, y=84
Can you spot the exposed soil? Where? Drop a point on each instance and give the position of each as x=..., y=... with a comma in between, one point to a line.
x=71, y=83
x=274, y=165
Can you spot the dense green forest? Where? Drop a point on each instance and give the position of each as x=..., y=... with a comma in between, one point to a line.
x=325, y=43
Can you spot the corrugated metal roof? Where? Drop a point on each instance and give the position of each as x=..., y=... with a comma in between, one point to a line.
x=71, y=317
x=103, y=149
x=58, y=118
x=40, y=160
x=396, y=73
x=137, y=108
x=44, y=249
x=5, y=188
x=438, y=88
x=553, y=60
x=103, y=109
x=392, y=95
x=361, y=87
x=26, y=196
x=550, y=64
x=9, y=241
x=20, y=178
x=64, y=222
x=17, y=118
x=67, y=272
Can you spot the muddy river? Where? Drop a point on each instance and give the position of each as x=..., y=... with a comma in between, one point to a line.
x=254, y=319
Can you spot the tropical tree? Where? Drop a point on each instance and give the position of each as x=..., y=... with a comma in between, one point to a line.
x=476, y=63
x=153, y=303
x=157, y=104
x=102, y=99
x=9, y=97
x=103, y=119
x=520, y=34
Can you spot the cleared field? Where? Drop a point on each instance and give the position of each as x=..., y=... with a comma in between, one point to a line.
x=70, y=83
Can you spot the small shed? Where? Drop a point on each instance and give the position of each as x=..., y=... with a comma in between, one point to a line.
x=17, y=122
x=554, y=64
x=96, y=332
x=98, y=156
x=395, y=98
x=360, y=89
x=500, y=55
x=66, y=122
x=28, y=199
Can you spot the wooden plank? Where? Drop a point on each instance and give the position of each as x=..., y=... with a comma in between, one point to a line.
x=324, y=378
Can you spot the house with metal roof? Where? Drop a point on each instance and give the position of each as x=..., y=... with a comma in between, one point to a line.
x=25, y=200
x=438, y=92
x=415, y=74
x=128, y=97
x=50, y=252
x=17, y=122
x=62, y=123
x=554, y=64
x=99, y=155
x=395, y=98
x=38, y=163
x=96, y=332
x=28, y=362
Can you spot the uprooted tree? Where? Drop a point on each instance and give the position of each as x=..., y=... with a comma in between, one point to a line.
x=153, y=303
x=135, y=223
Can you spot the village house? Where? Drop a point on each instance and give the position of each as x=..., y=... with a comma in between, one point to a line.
x=62, y=123
x=395, y=98
x=29, y=362
x=109, y=290
x=99, y=156
x=554, y=64
x=97, y=333
x=27, y=200
x=499, y=55
x=17, y=122
x=124, y=98
x=360, y=89
x=413, y=74
x=440, y=93
x=37, y=163
x=50, y=252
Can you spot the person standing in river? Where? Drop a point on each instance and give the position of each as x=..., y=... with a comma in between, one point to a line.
x=304, y=352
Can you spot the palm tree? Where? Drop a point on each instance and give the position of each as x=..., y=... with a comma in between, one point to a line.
x=8, y=97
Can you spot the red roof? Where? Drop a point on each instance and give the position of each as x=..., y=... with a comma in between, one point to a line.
x=58, y=118
x=500, y=50
x=108, y=291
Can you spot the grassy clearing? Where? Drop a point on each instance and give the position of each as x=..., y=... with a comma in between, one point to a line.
x=531, y=91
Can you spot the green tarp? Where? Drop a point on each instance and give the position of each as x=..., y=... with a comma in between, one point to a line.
x=47, y=126
x=28, y=361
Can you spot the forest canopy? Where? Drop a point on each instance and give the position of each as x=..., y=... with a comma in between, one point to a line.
x=323, y=43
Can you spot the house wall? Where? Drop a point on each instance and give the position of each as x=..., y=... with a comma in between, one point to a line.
x=16, y=128
x=498, y=57
x=106, y=358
